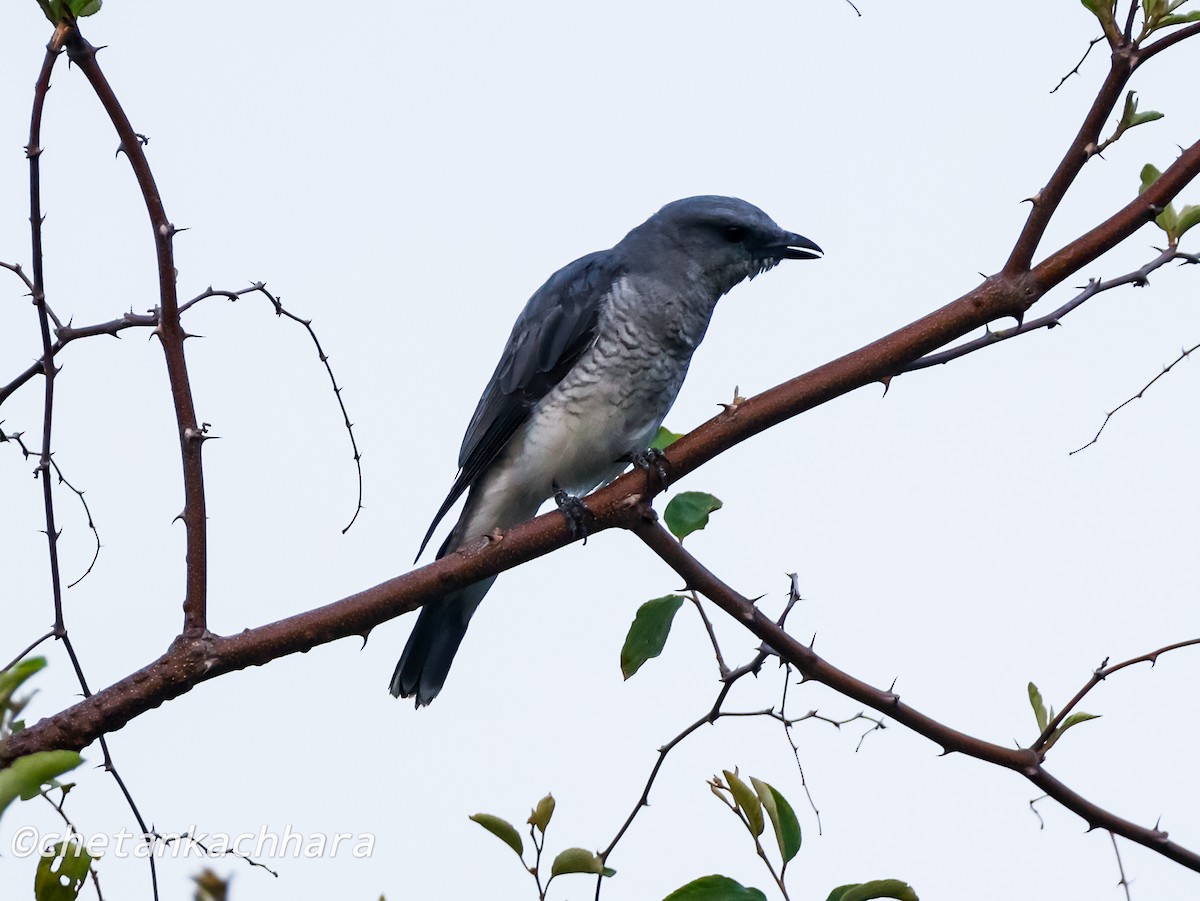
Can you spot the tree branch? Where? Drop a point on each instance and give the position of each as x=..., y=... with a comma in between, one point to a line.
x=1021, y=760
x=171, y=335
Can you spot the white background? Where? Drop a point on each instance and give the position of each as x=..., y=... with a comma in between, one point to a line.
x=407, y=174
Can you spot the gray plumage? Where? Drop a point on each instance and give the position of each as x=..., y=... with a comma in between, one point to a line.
x=593, y=364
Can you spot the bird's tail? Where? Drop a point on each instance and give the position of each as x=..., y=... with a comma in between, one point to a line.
x=434, y=641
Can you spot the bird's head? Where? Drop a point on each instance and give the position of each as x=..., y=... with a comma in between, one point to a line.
x=720, y=240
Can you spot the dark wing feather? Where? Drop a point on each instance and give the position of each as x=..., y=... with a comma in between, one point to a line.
x=557, y=325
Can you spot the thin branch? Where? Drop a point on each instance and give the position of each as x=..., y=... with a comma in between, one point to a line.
x=1101, y=673
x=171, y=336
x=225, y=852
x=337, y=391
x=1139, y=278
x=1024, y=761
x=1033, y=808
x=1048, y=199
x=714, y=713
x=17, y=438
x=1113, y=412
x=1124, y=881
x=1170, y=40
x=28, y=650
x=1130, y=16
x=1092, y=43
x=68, y=333
x=712, y=635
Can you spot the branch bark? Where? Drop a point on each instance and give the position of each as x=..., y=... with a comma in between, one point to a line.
x=171, y=335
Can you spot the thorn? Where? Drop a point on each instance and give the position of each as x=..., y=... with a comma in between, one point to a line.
x=886, y=381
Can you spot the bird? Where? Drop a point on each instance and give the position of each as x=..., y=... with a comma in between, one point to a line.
x=592, y=366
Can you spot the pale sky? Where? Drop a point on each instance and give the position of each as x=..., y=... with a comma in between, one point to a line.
x=407, y=175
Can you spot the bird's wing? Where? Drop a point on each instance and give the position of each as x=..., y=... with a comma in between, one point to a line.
x=557, y=325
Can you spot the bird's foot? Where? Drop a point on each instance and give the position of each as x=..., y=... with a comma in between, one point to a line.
x=652, y=459
x=575, y=511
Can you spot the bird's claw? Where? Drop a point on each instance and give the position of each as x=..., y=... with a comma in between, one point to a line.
x=651, y=459
x=575, y=512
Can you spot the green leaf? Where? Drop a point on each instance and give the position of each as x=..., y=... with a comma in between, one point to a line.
x=539, y=818
x=1167, y=21
x=1188, y=216
x=783, y=818
x=60, y=10
x=664, y=438
x=1039, y=706
x=747, y=802
x=1168, y=219
x=1141, y=118
x=688, y=512
x=1075, y=719
x=648, y=633
x=715, y=888
x=576, y=860
x=25, y=776
x=60, y=874
x=502, y=829
x=12, y=679
x=879, y=888
x=1149, y=176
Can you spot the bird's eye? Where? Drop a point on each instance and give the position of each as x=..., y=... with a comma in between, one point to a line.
x=734, y=233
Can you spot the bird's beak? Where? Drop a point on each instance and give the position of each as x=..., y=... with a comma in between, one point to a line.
x=797, y=247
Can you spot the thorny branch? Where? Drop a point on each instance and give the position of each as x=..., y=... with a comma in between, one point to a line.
x=227, y=852
x=171, y=335
x=1101, y=673
x=1025, y=761
x=1092, y=43
x=17, y=438
x=717, y=711
x=65, y=334
x=63, y=35
x=1183, y=355
x=1139, y=278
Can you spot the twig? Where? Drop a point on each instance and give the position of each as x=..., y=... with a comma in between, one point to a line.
x=1139, y=278
x=337, y=391
x=712, y=635
x=29, y=649
x=225, y=852
x=1037, y=813
x=1092, y=43
x=714, y=713
x=1111, y=413
x=1124, y=882
x=1102, y=672
x=64, y=335
x=17, y=438
x=1024, y=761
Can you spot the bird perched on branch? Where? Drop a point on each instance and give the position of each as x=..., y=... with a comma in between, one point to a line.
x=593, y=364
